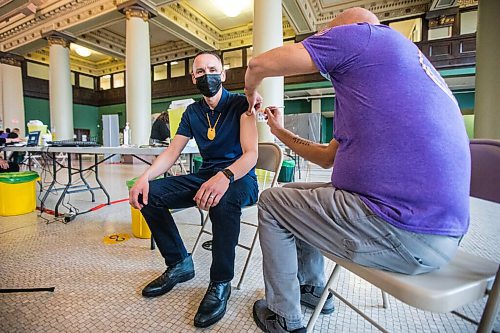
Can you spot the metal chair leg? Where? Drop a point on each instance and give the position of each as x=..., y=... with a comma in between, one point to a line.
x=322, y=300
x=247, y=261
x=491, y=308
x=196, y=243
x=385, y=301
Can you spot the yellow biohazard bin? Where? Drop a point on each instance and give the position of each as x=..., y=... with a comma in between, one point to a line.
x=17, y=192
x=140, y=227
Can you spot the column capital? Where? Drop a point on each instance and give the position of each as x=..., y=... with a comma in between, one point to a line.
x=54, y=37
x=137, y=8
x=11, y=59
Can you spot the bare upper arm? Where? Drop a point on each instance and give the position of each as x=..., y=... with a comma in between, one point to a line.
x=177, y=144
x=248, y=133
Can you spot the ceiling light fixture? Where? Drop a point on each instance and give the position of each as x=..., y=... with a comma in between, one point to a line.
x=232, y=8
x=174, y=62
x=82, y=51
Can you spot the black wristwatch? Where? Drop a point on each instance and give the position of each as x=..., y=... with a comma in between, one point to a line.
x=229, y=175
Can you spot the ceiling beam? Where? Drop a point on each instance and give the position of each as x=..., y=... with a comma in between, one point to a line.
x=104, y=41
x=184, y=23
x=300, y=16
x=64, y=16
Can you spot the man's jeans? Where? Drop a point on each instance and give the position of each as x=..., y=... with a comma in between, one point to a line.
x=300, y=220
x=178, y=192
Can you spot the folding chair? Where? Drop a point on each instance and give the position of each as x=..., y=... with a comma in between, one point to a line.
x=270, y=159
x=465, y=279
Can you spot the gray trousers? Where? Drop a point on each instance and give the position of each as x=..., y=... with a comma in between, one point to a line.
x=299, y=220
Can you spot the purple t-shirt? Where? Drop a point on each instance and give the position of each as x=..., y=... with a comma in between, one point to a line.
x=403, y=145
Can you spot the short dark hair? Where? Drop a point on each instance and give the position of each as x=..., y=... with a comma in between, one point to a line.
x=215, y=54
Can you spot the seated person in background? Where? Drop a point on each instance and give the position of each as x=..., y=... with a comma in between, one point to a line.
x=8, y=166
x=160, y=131
x=398, y=199
x=227, y=140
x=16, y=157
x=3, y=141
x=14, y=133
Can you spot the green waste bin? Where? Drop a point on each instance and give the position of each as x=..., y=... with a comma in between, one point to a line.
x=287, y=171
x=197, y=162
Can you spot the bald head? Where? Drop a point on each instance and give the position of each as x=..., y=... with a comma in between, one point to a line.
x=354, y=15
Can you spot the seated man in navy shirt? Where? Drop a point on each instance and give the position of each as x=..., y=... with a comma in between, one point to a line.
x=226, y=181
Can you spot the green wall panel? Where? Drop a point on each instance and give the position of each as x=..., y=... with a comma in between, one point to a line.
x=328, y=104
x=158, y=107
x=37, y=109
x=297, y=106
x=84, y=116
x=326, y=129
x=466, y=101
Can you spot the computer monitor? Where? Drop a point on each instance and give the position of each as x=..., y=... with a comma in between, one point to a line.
x=33, y=138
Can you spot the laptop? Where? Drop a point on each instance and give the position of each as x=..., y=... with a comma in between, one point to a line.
x=33, y=138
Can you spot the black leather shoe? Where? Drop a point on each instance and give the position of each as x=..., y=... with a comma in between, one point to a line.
x=180, y=272
x=213, y=306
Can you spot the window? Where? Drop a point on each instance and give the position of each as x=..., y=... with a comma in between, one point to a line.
x=38, y=70
x=177, y=68
x=249, y=54
x=72, y=75
x=232, y=59
x=439, y=33
x=191, y=60
x=411, y=29
x=160, y=72
x=105, y=82
x=119, y=80
x=468, y=22
x=86, y=81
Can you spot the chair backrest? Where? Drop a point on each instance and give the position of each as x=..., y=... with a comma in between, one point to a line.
x=485, y=169
x=270, y=159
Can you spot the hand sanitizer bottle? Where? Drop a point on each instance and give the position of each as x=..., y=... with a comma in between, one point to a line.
x=126, y=135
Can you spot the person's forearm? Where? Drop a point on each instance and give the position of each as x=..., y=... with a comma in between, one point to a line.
x=320, y=154
x=243, y=164
x=161, y=164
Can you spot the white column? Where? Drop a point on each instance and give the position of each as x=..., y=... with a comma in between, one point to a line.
x=268, y=34
x=316, y=106
x=138, y=75
x=12, y=95
x=60, y=89
x=487, y=103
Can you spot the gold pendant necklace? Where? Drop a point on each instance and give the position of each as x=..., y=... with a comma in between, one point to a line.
x=211, y=130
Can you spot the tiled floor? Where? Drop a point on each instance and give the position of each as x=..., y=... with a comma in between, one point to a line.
x=98, y=286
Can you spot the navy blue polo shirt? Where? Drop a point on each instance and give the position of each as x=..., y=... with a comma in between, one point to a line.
x=225, y=148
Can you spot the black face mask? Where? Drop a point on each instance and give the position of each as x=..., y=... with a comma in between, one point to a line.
x=209, y=84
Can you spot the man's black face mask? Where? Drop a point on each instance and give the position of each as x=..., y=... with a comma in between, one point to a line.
x=209, y=84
